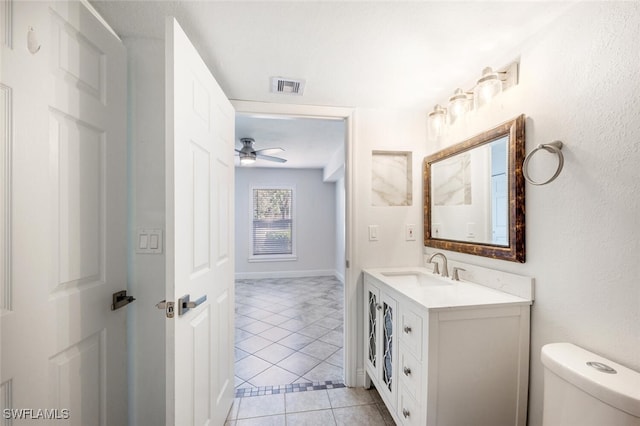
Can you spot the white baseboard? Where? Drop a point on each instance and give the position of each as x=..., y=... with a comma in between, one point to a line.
x=286, y=274
x=360, y=379
x=339, y=276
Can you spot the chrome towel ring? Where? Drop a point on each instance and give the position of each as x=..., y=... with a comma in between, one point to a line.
x=554, y=148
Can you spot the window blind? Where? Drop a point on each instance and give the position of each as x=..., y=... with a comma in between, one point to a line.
x=272, y=221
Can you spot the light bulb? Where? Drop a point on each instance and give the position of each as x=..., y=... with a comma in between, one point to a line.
x=437, y=122
x=459, y=105
x=245, y=161
x=488, y=87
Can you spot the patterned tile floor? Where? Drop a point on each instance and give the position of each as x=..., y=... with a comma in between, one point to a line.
x=288, y=331
x=342, y=406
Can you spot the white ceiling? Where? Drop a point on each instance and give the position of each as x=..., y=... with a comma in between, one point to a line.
x=394, y=54
x=307, y=142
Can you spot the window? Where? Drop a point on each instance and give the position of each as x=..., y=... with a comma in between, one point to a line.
x=272, y=228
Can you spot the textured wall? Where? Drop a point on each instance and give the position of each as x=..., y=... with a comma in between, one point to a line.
x=579, y=84
x=146, y=209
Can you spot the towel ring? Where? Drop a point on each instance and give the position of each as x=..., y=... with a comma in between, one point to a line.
x=554, y=148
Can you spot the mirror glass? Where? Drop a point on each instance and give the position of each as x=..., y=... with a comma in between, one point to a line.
x=469, y=201
x=474, y=194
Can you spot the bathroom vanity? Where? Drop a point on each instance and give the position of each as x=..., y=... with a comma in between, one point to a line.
x=444, y=352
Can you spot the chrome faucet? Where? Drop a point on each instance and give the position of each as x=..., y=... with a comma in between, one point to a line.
x=445, y=270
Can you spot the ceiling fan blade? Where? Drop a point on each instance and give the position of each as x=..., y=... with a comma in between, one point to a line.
x=270, y=158
x=237, y=150
x=269, y=151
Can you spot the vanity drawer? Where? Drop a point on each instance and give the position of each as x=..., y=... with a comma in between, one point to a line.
x=411, y=332
x=410, y=372
x=408, y=408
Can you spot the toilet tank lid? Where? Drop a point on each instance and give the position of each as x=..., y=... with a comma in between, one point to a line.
x=620, y=390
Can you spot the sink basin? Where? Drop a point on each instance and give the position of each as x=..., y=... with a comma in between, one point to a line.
x=413, y=278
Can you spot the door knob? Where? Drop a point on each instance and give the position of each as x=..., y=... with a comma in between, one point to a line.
x=185, y=303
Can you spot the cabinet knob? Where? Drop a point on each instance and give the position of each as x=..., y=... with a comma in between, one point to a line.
x=406, y=371
x=407, y=329
x=405, y=413
x=378, y=306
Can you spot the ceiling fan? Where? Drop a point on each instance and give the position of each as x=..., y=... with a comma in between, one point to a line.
x=248, y=154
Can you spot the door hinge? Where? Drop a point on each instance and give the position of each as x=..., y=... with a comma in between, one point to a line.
x=347, y=263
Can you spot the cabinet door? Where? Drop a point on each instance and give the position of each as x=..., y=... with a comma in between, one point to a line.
x=372, y=308
x=388, y=347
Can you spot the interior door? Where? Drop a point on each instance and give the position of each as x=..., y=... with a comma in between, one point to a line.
x=200, y=264
x=63, y=116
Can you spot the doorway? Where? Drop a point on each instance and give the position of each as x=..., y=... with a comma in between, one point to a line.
x=292, y=324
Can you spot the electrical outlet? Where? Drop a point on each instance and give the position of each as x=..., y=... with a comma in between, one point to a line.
x=410, y=232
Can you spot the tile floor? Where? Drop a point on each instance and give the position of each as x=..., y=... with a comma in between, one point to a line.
x=288, y=330
x=343, y=406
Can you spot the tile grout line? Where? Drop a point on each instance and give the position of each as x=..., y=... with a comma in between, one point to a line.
x=253, y=307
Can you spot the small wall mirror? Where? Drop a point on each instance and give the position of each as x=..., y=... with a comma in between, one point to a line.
x=474, y=195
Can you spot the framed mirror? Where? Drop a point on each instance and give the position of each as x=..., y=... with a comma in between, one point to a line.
x=474, y=195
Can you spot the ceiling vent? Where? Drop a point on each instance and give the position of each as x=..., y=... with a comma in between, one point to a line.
x=287, y=86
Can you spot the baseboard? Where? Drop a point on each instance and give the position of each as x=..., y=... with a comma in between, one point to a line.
x=286, y=274
x=360, y=378
x=339, y=276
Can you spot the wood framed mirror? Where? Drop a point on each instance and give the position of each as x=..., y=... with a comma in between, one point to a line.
x=474, y=194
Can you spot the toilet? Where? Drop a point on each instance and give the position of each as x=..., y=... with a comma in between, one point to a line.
x=582, y=388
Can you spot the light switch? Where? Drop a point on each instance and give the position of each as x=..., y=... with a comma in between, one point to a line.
x=149, y=241
x=373, y=232
x=153, y=241
x=143, y=241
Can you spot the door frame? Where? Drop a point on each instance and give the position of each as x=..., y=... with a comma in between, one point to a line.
x=351, y=338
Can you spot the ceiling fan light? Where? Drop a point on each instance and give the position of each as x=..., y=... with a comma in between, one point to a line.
x=245, y=161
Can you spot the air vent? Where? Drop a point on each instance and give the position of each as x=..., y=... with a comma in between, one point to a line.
x=287, y=86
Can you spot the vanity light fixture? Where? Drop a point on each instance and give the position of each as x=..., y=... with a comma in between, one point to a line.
x=437, y=122
x=490, y=85
x=459, y=105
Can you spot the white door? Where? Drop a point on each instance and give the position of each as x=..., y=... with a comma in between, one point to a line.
x=63, y=182
x=199, y=185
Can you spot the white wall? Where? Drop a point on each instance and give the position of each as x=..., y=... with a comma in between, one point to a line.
x=385, y=130
x=388, y=130
x=579, y=84
x=340, y=229
x=315, y=217
x=146, y=338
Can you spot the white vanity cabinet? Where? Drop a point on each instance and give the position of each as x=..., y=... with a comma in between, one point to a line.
x=447, y=363
x=381, y=332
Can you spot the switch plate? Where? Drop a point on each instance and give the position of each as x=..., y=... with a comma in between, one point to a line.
x=149, y=241
x=373, y=232
x=410, y=232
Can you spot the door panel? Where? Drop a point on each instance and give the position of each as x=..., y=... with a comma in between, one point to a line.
x=199, y=214
x=62, y=346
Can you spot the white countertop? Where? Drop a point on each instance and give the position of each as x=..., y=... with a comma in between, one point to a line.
x=443, y=293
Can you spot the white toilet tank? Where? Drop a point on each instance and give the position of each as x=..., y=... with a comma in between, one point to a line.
x=579, y=394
